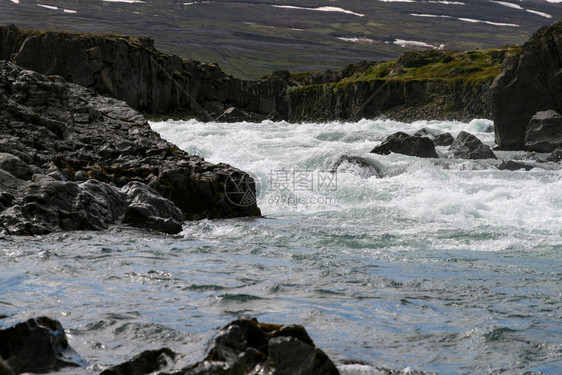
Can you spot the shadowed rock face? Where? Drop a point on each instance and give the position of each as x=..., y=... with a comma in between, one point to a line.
x=71, y=159
x=246, y=346
x=468, y=146
x=528, y=83
x=130, y=69
x=544, y=132
x=37, y=345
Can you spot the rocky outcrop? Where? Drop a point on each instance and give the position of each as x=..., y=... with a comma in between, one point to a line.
x=544, y=132
x=71, y=159
x=246, y=347
x=528, y=83
x=37, y=345
x=131, y=69
x=402, y=143
x=468, y=146
x=402, y=100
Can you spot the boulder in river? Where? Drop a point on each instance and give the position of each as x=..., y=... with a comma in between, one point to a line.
x=37, y=345
x=247, y=347
x=356, y=165
x=544, y=133
x=402, y=143
x=438, y=138
x=468, y=146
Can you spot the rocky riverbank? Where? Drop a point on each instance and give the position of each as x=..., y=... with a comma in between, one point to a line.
x=74, y=160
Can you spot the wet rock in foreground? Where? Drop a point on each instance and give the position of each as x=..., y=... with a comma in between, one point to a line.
x=38, y=345
x=244, y=346
x=73, y=160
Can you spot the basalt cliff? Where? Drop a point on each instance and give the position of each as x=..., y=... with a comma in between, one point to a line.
x=419, y=85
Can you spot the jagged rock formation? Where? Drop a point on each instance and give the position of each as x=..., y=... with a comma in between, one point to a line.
x=245, y=346
x=71, y=159
x=529, y=82
x=37, y=345
x=468, y=146
x=131, y=69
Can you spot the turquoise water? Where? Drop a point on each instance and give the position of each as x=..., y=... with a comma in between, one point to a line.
x=444, y=266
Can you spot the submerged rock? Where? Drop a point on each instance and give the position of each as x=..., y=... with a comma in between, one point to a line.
x=511, y=165
x=544, y=132
x=468, y=146
x=355, y=165
x=528, y=83
x=71, y=159
x=37, y=345
x=402, y=143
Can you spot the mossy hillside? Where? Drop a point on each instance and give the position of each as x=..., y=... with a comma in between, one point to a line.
x=470, y=67
x=477, y=65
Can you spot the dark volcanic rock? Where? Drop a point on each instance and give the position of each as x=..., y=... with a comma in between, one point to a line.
x=37, y=345
x=544, y=133
x=467, y=146
x=555, y=156
x=529, y=83
x=402, y=143
x=147, y=209
x=131, y=69
x=60, y=134
x=147, y=362
x=233, y=114
x=246, y=346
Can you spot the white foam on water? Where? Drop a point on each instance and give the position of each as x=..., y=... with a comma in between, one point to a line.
x=433, y=195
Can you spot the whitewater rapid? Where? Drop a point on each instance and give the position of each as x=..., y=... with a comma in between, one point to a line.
x=439, y=265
